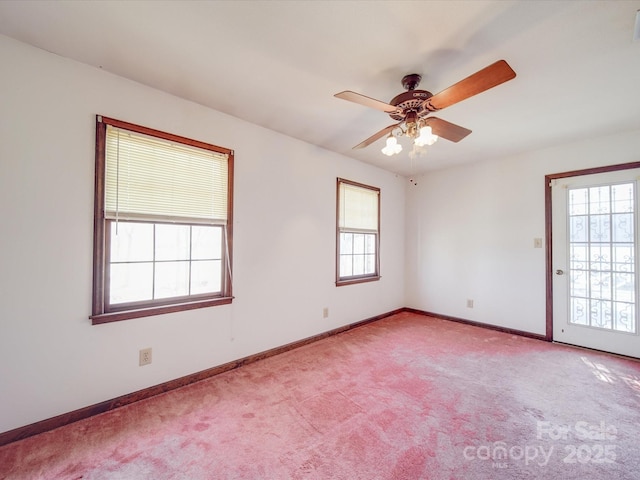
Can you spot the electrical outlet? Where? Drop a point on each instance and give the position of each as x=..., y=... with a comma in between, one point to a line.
x=469, y=303
x=145, y=356
x=325, y=312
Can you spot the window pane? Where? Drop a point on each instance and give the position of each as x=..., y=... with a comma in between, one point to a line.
x=369, y=264
x=206, y=277
x=172, y=279
x=370, y=244
x=172, y=242
x=346, y=243
x=346, y=265
x=131, y=282
x=206, y=243
x=358, y=243
x=131, y=242
x=358, y=264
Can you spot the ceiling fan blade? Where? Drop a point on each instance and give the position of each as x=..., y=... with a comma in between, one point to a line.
x=487, y=78
x=376, y=136
x=447, y=130
x=366, y=101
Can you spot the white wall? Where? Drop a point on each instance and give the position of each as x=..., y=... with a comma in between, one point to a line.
x=52, y=360
x=470, y=232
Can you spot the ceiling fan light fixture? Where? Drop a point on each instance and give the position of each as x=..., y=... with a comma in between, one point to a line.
x=426, y=137
x=392, y=147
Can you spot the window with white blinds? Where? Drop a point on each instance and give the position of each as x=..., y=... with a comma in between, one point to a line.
x=163, y=223
x=358, y=207
x=358, y=236
x=152, y=178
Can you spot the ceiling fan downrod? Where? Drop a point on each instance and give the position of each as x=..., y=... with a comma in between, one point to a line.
x=411, y=81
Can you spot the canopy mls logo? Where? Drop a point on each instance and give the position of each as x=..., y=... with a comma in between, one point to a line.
x=594, y=444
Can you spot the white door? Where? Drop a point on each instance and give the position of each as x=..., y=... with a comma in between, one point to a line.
x=595, y=261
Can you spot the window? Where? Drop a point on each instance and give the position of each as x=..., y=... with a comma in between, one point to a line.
x=162, y=229
x=358, y=234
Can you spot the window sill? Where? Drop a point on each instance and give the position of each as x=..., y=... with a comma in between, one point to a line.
x=159, y=310
x=351, y=281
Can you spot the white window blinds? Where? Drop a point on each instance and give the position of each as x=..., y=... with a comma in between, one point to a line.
x=358, y=207
x=156, y=179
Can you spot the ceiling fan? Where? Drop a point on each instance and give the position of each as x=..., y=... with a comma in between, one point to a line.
x=411, y=108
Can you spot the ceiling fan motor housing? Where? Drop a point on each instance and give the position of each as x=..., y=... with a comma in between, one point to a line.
x=406, y=101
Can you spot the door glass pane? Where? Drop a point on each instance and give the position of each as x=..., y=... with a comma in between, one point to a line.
x=600, y=314
x=622, y=198
x=622, y=227
x=579, y=311
x=600, y=228
x=599, y=201
x=578, y=201
x=578, y=228
x=623, y=257
x=602, y=277
x=625, y=317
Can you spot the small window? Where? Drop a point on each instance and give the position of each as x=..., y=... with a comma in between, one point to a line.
x=358, y=234
x=162, y=223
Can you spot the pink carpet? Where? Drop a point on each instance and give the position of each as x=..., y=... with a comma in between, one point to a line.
x=407, y=397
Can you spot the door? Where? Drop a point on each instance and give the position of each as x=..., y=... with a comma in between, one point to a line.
x=595, y=261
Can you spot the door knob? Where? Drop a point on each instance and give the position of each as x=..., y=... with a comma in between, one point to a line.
x=559, y=272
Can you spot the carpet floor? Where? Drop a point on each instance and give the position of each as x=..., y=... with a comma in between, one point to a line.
x=407, y=397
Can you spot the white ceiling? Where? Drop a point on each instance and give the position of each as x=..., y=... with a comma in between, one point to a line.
x=278, y=64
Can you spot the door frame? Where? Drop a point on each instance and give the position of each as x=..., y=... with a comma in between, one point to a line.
x=549, y=233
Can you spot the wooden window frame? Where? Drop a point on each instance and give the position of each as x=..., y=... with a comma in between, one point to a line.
x=101, y=311
x=355, y=279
